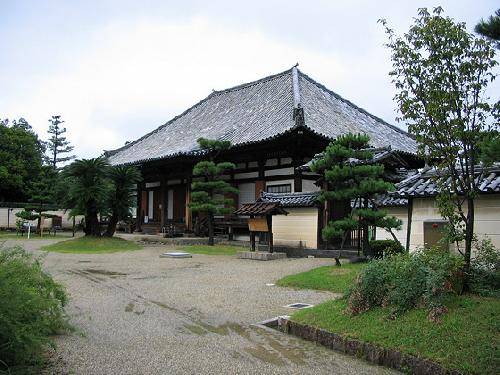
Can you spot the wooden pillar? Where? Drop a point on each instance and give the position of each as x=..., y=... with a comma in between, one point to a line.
x=297, y=176
x=138, y=213
x=252, y=238
x=163, y=202
x=408, y=227
x=270, y=232
x=189, y=221
x=260, y=183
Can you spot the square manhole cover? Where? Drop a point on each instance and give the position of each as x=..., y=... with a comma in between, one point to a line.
x=299, y=305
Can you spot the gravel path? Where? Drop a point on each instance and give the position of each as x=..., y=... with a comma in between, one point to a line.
x=138, y=314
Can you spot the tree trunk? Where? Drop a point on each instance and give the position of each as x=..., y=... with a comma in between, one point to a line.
x=210, y=217
x=111, y=228
x=92, y=227
x=469, y=236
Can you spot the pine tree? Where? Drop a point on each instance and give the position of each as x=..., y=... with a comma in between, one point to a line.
x=57, y=143
x=207, y=195
x=490, y=28
x=351, y=177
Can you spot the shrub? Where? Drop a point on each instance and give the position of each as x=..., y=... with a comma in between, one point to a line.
x=485, y=269
x=381, y=248
x=405, y=281
x=31, y=309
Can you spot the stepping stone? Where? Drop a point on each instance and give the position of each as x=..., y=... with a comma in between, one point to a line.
x=176, y=254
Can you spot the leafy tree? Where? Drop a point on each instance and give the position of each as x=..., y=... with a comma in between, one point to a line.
x=121, y=195
x=207, y=195
x=490, y=148
x=88, y=189
x=21, y=155
x=351, y=177
x=58, y=144
x=490, y=28
x=441, y=72
x=41, y=193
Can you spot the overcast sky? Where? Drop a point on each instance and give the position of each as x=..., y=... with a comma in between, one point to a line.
x=115, y=70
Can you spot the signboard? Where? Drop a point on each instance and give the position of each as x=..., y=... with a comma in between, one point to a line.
x=258, y=224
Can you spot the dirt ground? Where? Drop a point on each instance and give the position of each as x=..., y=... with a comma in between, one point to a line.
x=137, y=313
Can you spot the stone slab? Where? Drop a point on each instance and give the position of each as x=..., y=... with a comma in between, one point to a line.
x=260, y=255
x=176, y=254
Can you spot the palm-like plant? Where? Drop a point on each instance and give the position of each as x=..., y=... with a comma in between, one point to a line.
x=121, y=195
x=88, y=190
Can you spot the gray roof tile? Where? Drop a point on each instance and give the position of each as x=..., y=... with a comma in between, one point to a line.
x=258, y=111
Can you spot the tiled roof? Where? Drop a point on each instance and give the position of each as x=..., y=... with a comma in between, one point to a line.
x=380, y=154
x=258, y=111
x=387, y=200
x=261, y=209
x=305, y=199
x=425, y=183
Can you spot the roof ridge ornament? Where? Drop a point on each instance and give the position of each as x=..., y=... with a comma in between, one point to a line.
x=296, y=87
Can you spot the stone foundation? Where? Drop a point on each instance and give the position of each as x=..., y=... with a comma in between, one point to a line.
x=260, y=255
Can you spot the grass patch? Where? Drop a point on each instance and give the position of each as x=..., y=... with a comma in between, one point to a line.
x=467, y=339
x=211, y=250
x=93, y=245
x=331, y=278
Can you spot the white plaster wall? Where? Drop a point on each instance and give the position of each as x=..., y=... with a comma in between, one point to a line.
x=486, y=223
x=299, y=226
x=402, y=214
x=67, y=222
x=308, y=185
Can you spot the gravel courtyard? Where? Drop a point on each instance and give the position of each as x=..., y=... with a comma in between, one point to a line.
x=136, y=313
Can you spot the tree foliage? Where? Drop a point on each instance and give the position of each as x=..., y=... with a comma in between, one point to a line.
x=88, y=191
x=208, y=194
x=490, y=28
x=441, y=73
x=121, y=196
x=57, y=144
x=97, y=190
x=351, y=176
x=21, y=156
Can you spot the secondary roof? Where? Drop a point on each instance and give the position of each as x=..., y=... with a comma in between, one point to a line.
x=259, y=111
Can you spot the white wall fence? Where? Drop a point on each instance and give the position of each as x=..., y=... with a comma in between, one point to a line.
x=8, y=218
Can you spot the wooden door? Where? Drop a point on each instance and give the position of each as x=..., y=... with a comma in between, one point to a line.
x=179, y=203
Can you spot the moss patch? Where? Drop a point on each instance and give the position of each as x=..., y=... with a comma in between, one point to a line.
x=211, y=250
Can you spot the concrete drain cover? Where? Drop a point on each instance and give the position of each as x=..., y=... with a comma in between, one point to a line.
x=178, y=254
x=299, y=305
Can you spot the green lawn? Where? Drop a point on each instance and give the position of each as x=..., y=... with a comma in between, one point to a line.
x=467, y=339
x=93, y=245
x=212, y=250
x=331, y=278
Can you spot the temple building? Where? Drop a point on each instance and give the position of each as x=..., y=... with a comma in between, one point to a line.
x=275, y=124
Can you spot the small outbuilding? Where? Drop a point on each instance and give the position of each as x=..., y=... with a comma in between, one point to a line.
x=301, y=227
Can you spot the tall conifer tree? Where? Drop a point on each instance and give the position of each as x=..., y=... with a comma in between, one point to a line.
x=351, y=177
x=58, y=144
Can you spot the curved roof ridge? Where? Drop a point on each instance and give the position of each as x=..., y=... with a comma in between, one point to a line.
x=362, y=110
x=252, y=83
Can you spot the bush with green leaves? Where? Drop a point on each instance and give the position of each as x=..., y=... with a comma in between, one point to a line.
x=31, y=310
x=405, y=281
x=381, y=248
x=485, y=269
